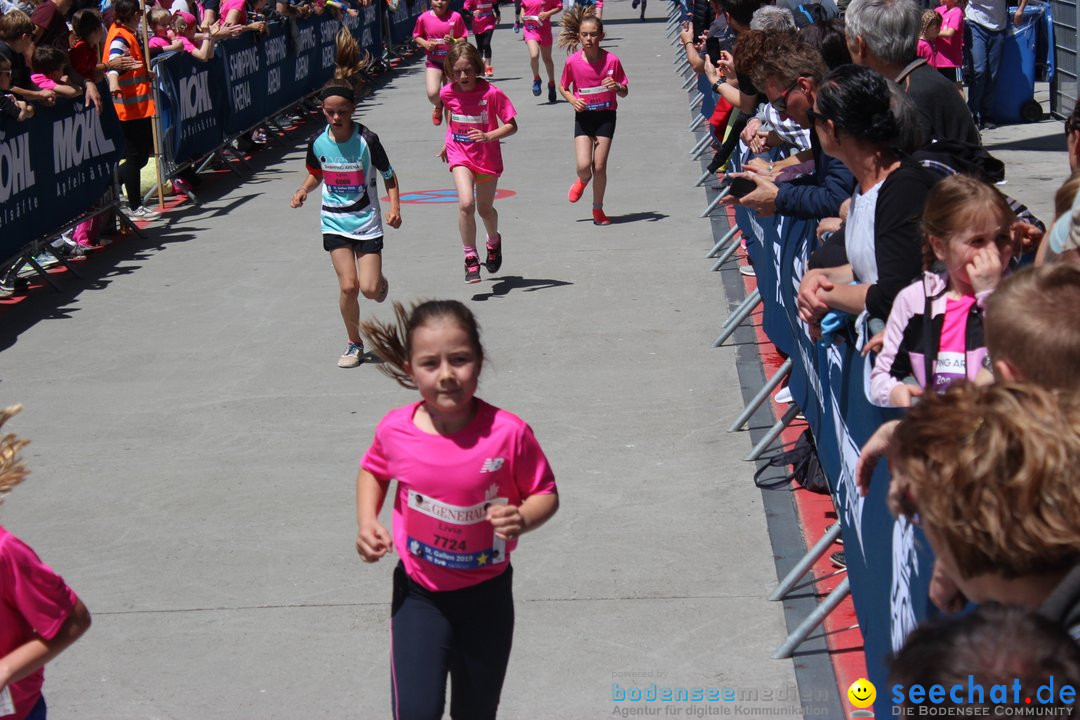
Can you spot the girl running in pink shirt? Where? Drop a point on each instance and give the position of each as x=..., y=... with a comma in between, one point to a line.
x=471, y=478
x=598, y=80
x=40, y=616
x=435, y=31
x=483, y=27
x=536, y=16
x=479, y=115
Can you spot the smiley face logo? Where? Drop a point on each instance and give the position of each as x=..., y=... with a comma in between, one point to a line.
x=862, y=693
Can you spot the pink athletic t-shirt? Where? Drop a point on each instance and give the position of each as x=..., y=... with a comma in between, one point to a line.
x=586, y=79
x=444, y=485
x=189, y=47
x=34, y=601
x=951, y=363
x=926, y=50
x=483, y=15
x=430, y=26
x=535, y=28
x=485, y=109
x=241, y=5
x=949, y=51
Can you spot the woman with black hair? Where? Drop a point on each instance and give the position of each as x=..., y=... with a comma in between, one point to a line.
x=855, y=120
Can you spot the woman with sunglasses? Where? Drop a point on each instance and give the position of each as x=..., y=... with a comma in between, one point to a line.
x=788, y=72
x=854, y=121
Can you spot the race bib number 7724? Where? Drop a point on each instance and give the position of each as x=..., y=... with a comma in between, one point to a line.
x=452, y=536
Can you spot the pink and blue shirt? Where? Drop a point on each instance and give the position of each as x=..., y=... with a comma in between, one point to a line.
x=350, y=201
x=587, y=79
x=430, y=26
x=485, y=108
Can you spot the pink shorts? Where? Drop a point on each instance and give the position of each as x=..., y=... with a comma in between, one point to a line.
x=541, y=36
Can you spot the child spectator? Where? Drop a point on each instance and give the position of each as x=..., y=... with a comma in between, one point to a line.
x=161, y=40
x=40, y=616
x=949, y=45
x=934, y=332
x=931, y=25
x=85, y=53
x=16, y=42
x=184, y=24
x=994, y=645
x=48, y=74
x=989, y=473
x=10, y=107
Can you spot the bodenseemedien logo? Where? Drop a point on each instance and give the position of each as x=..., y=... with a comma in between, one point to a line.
x=973, y=699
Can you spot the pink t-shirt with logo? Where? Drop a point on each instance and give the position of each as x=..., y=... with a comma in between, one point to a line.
x=951, y=363
x=485, y=109
x=483, y=15
x=430, y=26
x=444, y=485
x=949, y=51
x=535, y=28
x=586, y=79
x=34, y=601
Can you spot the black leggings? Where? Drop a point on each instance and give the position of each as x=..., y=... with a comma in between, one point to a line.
x=465, y=632
x=139, y=137
x=483, y=43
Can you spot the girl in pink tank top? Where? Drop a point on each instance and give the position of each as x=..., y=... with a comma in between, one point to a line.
x=470, y=480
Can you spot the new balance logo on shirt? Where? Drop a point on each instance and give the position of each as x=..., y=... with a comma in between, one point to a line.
x=492, y=465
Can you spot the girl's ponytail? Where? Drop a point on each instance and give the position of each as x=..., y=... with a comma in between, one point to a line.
x=571, y=25
x=12, y=468
x=349, y=59
x=390, y=343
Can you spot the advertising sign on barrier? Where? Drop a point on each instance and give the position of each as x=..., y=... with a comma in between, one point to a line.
x=191, y=104
x=53, y=167
x=888, y=566
x=275, y=54
x=245, y=76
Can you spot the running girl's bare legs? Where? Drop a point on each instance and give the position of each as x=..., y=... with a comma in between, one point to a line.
x=534, y=58
x=545, y=53
x=353, y=280
x=464, y=181
x=434, y=82
x=485, y=205
x=583, y=152
x=599, y=169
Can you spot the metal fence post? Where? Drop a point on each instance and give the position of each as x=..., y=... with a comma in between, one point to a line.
x=814, y=619
x=762, y=395
x=774, y=432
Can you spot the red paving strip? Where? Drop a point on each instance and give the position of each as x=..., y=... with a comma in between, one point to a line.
x=815, y=513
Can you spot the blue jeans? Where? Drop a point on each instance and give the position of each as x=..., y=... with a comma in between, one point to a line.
x=985, y=49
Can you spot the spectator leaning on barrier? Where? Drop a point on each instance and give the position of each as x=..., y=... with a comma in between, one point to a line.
x=884, y=35
x=85, y=54
x=992, y=645
x=16, y=43
x=989, y=474
x=985, y=23
x=48, y=71
x=18, y=110
x=854, y=121
x=789, y=71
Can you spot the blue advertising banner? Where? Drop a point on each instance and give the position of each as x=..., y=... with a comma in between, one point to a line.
x=403, y=20
x=192, y=106
x=53, y=167
x=275, y=56
x=888, y=564
x=246, y=80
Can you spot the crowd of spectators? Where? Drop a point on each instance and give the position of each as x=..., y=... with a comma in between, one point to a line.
x=862, y=119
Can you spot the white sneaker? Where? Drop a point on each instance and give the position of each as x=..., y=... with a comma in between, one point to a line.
x=747, y=270
x=144, y=213
x=353, y=355
x=783, y=397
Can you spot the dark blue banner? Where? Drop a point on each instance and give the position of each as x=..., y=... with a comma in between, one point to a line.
x=191, y=105
x=53, y=167
x=403, y=21
x=888, y=563
x=246, y=82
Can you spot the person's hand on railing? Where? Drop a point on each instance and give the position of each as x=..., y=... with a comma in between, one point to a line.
x=93, y=96
x=875, y=448
x=760, y=166
x=809, y=302
x=903, y=395
x=874, y=344
x=750, y=131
